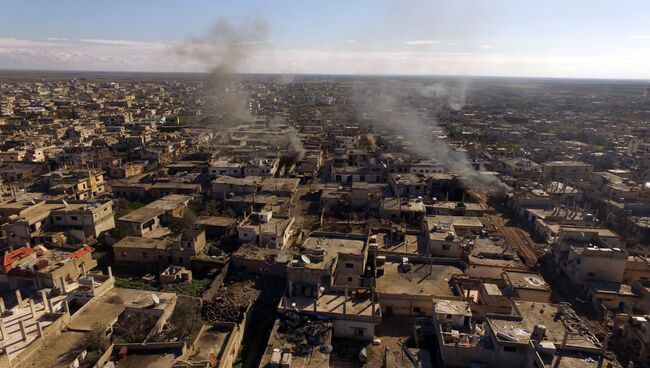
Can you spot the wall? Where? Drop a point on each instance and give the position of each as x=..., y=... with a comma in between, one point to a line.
x=348, y=328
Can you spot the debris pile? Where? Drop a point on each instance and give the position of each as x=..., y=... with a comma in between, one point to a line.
x=303, y=333
x=133, y=326
x=221, y=309
x=230, y=302
x=574, y=325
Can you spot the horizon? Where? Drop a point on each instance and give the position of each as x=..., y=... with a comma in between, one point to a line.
x=432, y=76
x=491, y=38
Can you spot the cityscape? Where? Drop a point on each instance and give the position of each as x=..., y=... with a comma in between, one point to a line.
x=222, y=200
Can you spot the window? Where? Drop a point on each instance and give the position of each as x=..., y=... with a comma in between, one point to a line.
x=446, y=246
x=73, y=218
x=145, y=255
x=349, y=265
x=510, y=349
x=349, y=278
x=417, y=310
x=58, y=218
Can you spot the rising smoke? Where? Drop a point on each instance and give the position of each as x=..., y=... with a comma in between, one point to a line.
x=288, y=138
x=225, y=50
x=454, y=95
x=389, y=109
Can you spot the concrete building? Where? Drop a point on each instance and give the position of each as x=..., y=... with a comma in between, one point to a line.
x=166, y=251
x=566, y=171
x=583, y=255
x=79, y=220
x=265, y=230
x=533, y=335
x=408, y=288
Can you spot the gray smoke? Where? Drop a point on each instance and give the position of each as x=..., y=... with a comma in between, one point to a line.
x=288, y=138
x=225, y=50
x=388, y=109
x=453, y=94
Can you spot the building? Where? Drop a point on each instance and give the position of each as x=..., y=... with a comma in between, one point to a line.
x=566, y=171
x=533, y=335
x=408, y=287
x=160, y=252
x=265, y=230
x=449, y=236
x=489, y=259
x=149, y=220
x=78, y=220
x=583, y=255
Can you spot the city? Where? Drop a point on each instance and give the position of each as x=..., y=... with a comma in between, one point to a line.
x=224, y=219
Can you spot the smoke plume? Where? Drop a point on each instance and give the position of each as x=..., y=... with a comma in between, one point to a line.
x=388, y=108
x=289, y=139
x=454, y=95
x=225, y=50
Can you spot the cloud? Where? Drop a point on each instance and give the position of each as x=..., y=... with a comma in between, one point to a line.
x=100, y=41
x=640, y=37
x=349, y=41
x=116, y=55
x=421, y=43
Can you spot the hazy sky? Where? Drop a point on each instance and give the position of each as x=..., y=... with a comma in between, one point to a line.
x=550, y=38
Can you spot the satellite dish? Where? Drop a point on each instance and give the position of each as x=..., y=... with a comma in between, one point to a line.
x=305, y=259
x=155, y=298
x=326, y=349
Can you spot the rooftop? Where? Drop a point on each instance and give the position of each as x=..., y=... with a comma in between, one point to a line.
x=526, y=280
x=322, y=251
x=555, y=317
x=420, y=280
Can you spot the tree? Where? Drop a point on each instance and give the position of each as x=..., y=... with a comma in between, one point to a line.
x=210, y=208
x=96, y=339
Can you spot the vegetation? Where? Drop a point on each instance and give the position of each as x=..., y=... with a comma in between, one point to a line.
x=123, y=206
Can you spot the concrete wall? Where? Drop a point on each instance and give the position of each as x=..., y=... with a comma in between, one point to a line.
x=351, y=329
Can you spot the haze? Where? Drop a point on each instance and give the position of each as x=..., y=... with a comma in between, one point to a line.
x=579, y=39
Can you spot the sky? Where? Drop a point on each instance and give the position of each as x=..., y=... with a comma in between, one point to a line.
x=550, y=38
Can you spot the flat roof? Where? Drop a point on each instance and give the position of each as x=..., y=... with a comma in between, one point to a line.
x=470, y=222
x=554, y=317
x=248, y=180
x=278, y=340
x=211, y=341
x=52, y=353
x=141, y=242
x=169, y=202
x=526, y=280
x=486, y=252
x=109, y=306
x=219, y=221
x=453, y=307
x=330, y=248
x=420, y=280
x=453, y=205
x=565, y=163
x=142, y=214
x=616, y=288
